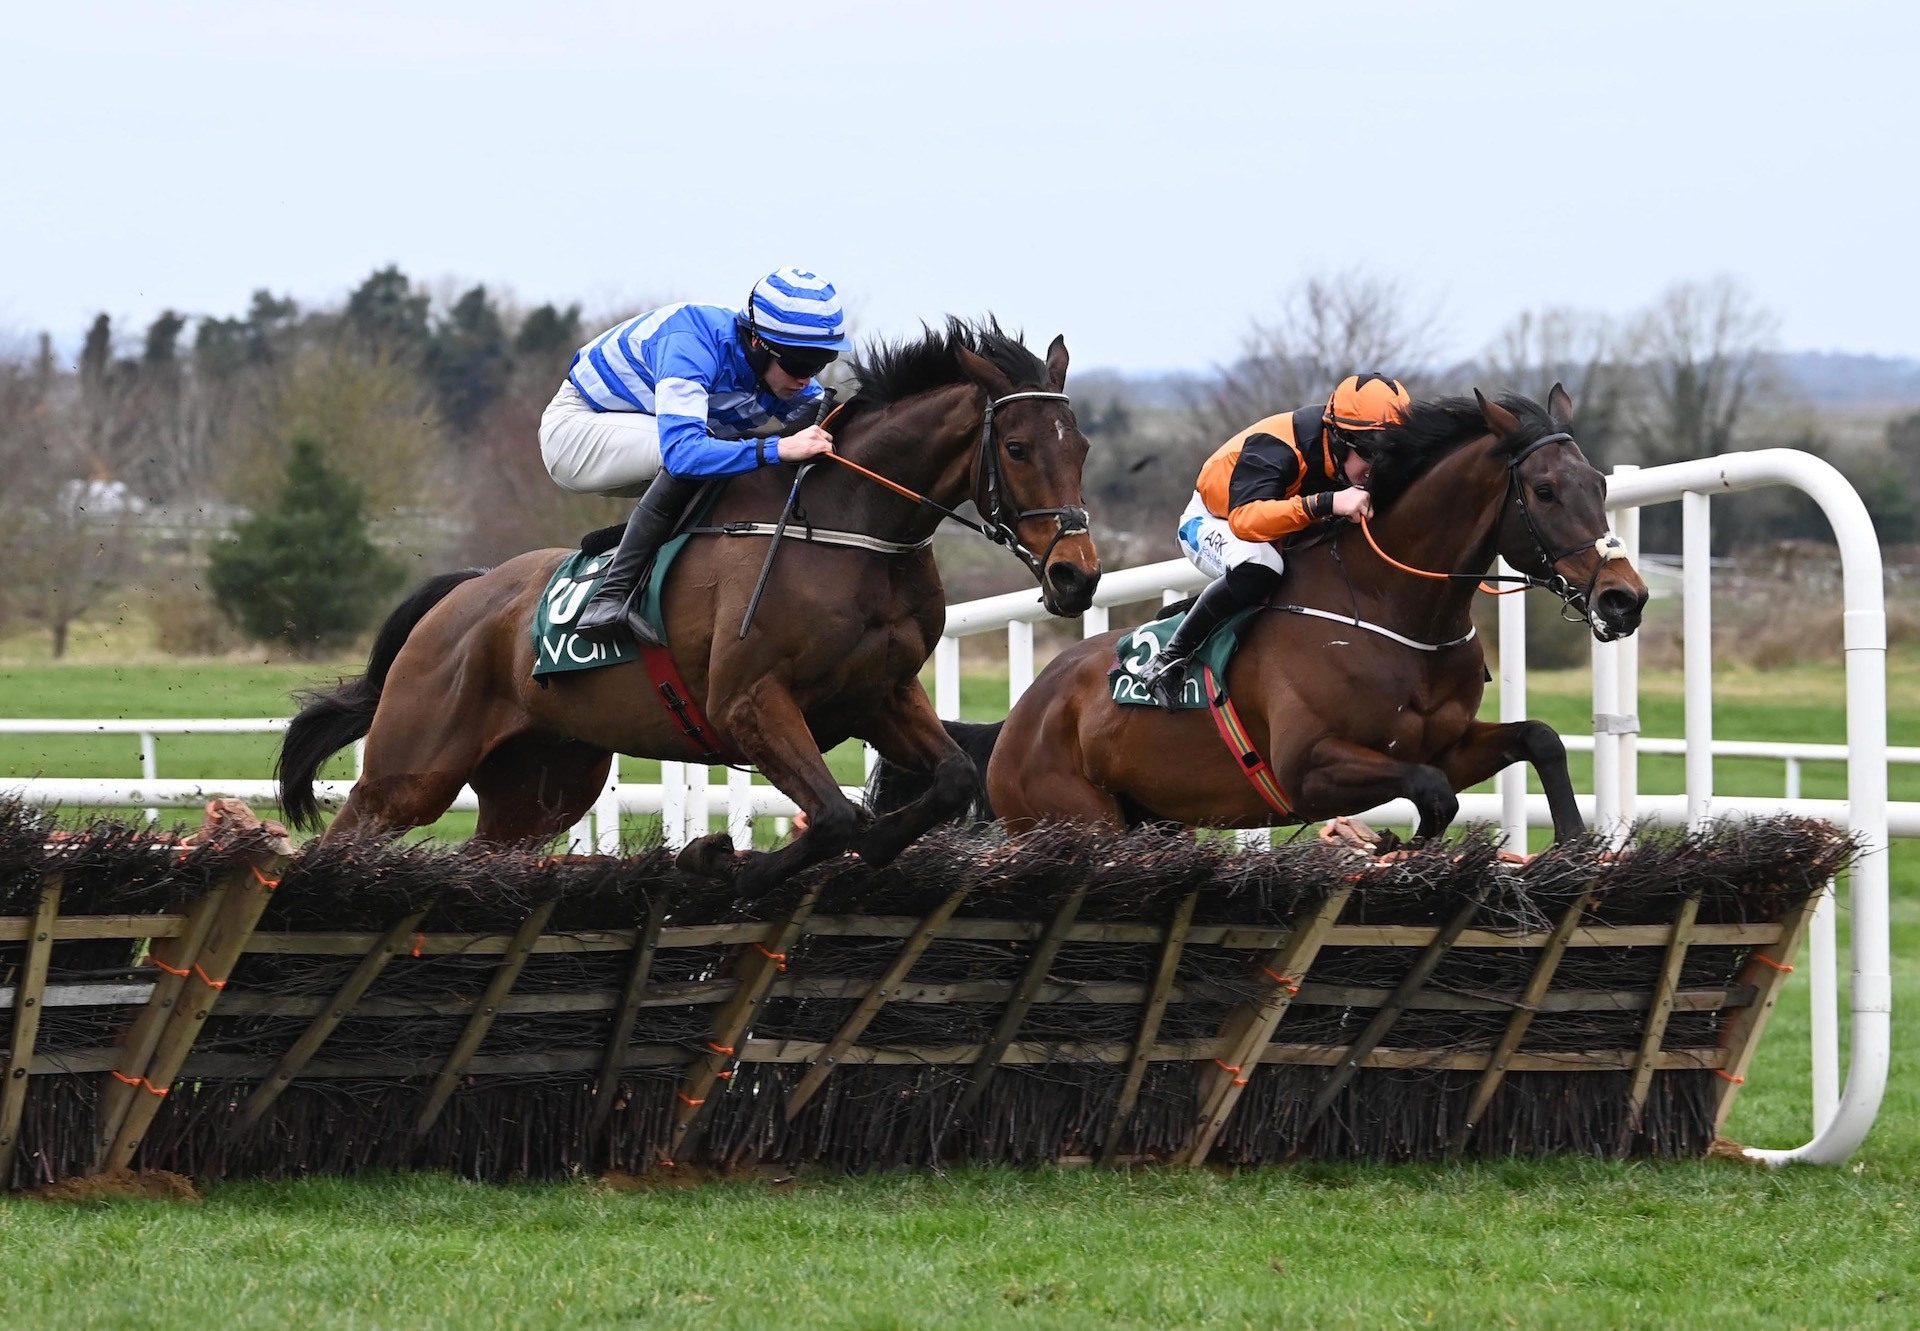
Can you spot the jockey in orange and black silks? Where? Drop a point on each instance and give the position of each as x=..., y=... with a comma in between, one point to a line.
x=1271, y=481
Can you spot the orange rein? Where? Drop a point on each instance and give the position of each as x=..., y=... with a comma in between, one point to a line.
x=1367, y=530
x=873, y=476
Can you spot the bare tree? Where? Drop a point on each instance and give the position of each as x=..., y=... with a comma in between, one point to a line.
x=1325, y=329
x=62, y=532
x=371, y=413
x=1582, y=350
x=1705, y=351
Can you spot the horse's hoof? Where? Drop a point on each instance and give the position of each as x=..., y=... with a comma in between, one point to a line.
x=708, y=857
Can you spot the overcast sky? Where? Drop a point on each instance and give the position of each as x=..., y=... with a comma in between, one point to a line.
x=1143, y=177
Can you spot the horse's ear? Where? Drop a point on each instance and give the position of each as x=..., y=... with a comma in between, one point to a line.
x=1502, y=422
x=1057, y=363
x=985, y=373
x=1560, y=407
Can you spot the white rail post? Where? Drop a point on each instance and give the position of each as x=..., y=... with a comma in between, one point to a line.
x=606, y=812
x=1823, y=976
x=1094, y=622
x=1019, y=659
x=1512, y=780
x=149, y=766
x=1696, y=572
x=740, y=807
x=699, y=800
x=1606, y=739
x=1627, y=527
x=946, y=679
x=673, y=804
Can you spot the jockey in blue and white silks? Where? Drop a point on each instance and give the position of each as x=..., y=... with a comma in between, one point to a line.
x=683, y=394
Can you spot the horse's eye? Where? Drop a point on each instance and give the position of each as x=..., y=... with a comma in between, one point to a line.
x=1016, y=451
x=1544, y=490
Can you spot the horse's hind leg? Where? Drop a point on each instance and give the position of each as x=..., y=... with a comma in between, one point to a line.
x=1344, y=778
x=909, y=734
x=421, y=749
x=534, y=788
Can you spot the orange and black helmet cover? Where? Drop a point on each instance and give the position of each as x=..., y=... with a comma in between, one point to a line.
x=1367, y=402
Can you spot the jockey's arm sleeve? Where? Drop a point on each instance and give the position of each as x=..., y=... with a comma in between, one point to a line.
x=685, y=373
x=1263, y=499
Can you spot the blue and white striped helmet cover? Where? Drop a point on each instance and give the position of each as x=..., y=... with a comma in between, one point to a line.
x=796, y=308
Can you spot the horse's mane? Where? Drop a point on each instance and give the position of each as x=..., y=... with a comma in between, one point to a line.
x=1436, y=428
x=887, y=372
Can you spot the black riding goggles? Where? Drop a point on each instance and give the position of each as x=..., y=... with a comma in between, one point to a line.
x=801, y=362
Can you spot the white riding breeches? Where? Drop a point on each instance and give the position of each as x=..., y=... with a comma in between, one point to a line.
x=1210, y=545
x=598, y=452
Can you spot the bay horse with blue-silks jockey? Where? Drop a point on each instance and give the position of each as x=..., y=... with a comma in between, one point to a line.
x=1365, y=684
x=964, y=413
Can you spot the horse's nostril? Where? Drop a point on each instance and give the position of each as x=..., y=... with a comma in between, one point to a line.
x=1618, y=604
x=1066, y=578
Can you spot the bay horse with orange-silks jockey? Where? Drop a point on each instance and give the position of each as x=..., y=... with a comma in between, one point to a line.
x=449, y=698
x=1362, y=681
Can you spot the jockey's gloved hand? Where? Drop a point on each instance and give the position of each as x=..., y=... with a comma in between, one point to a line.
x=809, y=443
x=1355, y=503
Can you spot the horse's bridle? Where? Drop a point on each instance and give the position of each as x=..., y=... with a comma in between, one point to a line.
x=1607, y=545
x=1073, y=520
x=1579, y=600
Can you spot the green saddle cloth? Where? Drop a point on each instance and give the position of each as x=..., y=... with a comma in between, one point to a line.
x=557, y=649
x=1133, y=653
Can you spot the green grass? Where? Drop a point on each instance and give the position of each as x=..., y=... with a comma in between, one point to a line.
x=1564, y=1242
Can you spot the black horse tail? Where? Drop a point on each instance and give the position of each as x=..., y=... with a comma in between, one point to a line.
x=891, y=787
x=331, y=719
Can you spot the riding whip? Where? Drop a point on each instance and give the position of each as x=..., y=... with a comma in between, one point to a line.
x=786, y=516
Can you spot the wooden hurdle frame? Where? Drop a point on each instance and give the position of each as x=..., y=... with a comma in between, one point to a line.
x=194, y=954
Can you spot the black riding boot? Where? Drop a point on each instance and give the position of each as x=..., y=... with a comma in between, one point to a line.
x=1224, y=597
x=617, y=603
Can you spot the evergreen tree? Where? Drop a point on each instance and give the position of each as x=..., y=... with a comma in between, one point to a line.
x=163, y=339
x=97, y=354
x=386, y=314
x=304, y=573
x=467, y=359
x=548, y=332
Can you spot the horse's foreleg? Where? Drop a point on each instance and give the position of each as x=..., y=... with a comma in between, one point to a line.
x=909, y=735
x=769, y=729
x=1344, y=778
x=1486, y=748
